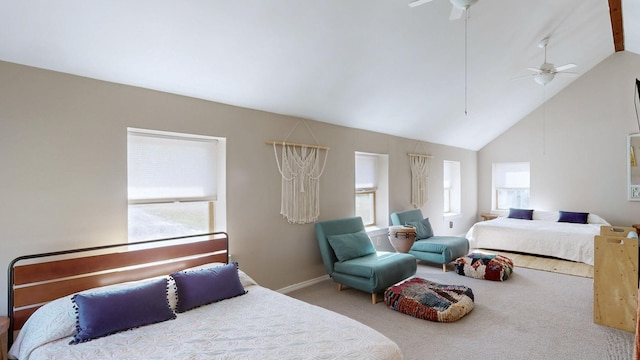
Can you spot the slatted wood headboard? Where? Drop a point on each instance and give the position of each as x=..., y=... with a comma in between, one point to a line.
x=39, y=278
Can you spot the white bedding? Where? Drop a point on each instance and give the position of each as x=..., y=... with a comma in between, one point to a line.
x=541, y=236
x=262, y=324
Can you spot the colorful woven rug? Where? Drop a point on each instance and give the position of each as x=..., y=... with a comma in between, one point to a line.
x=428, y=300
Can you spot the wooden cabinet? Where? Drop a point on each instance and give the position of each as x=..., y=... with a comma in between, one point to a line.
x=4, y=327
x=615, y=278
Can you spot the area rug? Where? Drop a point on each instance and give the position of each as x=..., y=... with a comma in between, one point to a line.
x=547, y=264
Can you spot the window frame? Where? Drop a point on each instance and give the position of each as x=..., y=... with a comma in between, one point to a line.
x=496, y=181
x=452, y=188
x=371, y=192
x=209, y=201
x=373, y=179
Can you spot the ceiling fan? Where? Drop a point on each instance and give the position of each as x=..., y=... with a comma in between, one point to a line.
x=459, y=6
x=547, y=72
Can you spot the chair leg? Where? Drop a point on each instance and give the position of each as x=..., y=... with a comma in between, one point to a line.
x=339, y=287
x=374, y=298
x=444, y=267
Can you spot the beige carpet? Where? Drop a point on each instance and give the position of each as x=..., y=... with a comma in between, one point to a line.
x=547, y=264
x=534, y=315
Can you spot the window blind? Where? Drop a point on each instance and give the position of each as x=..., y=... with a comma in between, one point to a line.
x=511, y=175
x=165, y=167
x=366, y=170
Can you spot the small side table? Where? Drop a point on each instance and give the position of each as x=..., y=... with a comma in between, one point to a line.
x=4, y=327
x=487, y=216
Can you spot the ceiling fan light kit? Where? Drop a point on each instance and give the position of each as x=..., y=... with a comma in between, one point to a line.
x=543, y=78
x=463, y=4
x=547, y=71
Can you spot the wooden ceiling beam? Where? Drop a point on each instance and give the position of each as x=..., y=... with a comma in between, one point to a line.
x=615, y=11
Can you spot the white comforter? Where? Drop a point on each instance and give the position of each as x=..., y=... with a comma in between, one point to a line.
x=261, y=324
x=542, y=237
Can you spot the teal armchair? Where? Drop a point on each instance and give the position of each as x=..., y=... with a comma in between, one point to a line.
x=351, y=260
x=427, y=247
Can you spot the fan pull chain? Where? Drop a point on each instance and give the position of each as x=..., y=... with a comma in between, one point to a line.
x=466, y=17
x=544, y=120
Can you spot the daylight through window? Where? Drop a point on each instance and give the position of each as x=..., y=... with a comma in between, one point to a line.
x=366, y=186
x=171, y=180
x=510, y=185
x=452, y=187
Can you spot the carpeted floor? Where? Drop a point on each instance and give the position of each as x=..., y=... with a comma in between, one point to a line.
x=533, y=315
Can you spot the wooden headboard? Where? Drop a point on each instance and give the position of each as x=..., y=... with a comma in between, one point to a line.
x=39, y=278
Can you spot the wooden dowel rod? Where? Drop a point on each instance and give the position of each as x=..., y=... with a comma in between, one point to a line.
x=421, y=155
x=298, y=145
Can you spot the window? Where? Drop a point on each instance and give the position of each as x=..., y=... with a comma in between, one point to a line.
x=366, y=186
x=172, y=184
x=510, y=185
x=451, y=180
x=366, y=206
x=371, y=186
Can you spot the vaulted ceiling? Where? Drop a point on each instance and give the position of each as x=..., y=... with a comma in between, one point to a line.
x=376, y=65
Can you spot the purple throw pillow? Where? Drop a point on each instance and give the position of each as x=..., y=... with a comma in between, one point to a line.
x=200, y=287
x=104, y=313
x=573, y=217
x=524, y=214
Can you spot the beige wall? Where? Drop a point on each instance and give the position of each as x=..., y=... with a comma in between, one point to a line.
x=64, y=184
x=577, y=150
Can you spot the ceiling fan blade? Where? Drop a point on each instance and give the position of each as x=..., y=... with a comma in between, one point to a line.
x=535, y=69
x=523, y=77
x=456, y=13
x=565, y=67
x=418, y=2
x=567, y=74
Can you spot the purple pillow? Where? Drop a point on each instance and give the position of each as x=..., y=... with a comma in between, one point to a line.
x=200, y=287
x=573, y=217
x=105, y=313
x=523, y=214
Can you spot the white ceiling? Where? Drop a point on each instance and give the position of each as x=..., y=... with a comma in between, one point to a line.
x=376, y=65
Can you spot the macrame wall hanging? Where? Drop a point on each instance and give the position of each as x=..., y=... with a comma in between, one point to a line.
x=419, y=178
x=300, y=170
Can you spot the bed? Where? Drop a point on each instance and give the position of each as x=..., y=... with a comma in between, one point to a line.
x=61, y=304
x=542, y=235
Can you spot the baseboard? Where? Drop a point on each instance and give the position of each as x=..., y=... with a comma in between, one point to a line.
x=303, y=284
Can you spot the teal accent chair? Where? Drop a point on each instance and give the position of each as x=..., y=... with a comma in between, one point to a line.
x=434, y=249
x=373, y=272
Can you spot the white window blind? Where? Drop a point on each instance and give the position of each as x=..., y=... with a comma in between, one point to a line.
x=366, y=171
x=446, y=174
x=452, y=187
x=511, y=175
x=165, y=167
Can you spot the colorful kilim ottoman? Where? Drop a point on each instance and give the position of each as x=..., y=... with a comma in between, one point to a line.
x=427, y=300
x=482, y=265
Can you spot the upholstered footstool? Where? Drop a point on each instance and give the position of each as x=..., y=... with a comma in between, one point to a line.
x=428, y=300
x=481, y=265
